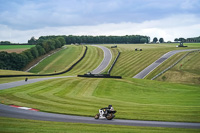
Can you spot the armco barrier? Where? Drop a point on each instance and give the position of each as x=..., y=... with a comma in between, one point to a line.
x=172, y=65
x=113, y=63
x=99, y=76
x=53, y=74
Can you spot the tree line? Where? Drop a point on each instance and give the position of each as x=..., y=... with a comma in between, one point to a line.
x=194, y=39
x=14, y=61
x=155, y=40
x=128, y=39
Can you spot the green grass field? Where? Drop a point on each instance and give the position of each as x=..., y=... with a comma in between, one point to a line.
x=132, y=98
x=59, y=61
x=33, y=126
x=6, y=47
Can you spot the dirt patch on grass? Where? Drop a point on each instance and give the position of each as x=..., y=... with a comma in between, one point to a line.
x=14, y=50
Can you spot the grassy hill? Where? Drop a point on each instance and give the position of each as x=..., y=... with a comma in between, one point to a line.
x=186, y=71
x=60, y=60
x=92, y=60
x=132, y=98
x=132, y=62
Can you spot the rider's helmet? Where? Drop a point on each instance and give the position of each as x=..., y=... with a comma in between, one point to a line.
x=109, y=106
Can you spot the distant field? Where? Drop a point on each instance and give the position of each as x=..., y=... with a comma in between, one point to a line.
x=59, y=61
x=32, y=126
x=3, y=47
x=15, y=48
x=132, y=98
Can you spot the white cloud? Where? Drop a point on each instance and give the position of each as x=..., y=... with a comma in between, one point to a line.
x=188, y=4
x=169, y=28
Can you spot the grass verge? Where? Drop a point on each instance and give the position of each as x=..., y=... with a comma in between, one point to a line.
x=8, y=125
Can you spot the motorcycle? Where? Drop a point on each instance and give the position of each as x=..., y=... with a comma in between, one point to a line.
x=107, y=112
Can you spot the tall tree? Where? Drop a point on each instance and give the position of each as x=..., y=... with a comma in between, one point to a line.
x=40, y=50
x=176, y=39
x=32, y=41
x=155, y=39
x=182, y=39
x=34, y=52
x=161, y=40
x=62, y=40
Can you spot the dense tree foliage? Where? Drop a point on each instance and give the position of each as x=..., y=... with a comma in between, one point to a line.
x=100, y=39
x=14, y=61
x=176, y=39
x=161, y=40
x=194, y=39
x=155, y=39
x=5, y=42
x=32, y=41
x=143, y=40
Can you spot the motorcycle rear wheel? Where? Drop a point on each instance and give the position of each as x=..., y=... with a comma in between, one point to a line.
x=110, y=116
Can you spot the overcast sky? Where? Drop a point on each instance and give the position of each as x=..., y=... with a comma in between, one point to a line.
x=22, y=19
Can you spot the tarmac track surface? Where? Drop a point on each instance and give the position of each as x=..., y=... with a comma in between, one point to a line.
x=7, y=111
x=158, y=62
x=105, y=62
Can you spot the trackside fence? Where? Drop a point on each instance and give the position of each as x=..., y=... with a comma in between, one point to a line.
x=114, y=63
x=173, y=64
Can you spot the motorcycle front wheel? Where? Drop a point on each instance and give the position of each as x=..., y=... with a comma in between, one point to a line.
x=97, y=116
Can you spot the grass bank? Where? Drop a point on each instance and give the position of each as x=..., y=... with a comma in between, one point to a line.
x=132, y=98
x=59, y=61
x=92, y=60
x=32, y=126
x=186, y=71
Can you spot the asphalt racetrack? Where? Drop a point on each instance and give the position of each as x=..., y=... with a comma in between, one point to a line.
x=8, y=111
x=158, y=62
x=105, y=62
